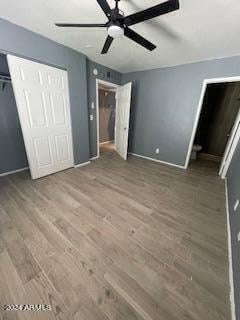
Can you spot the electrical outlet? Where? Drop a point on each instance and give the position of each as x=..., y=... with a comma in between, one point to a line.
x=236, y=205
x=92, y=105
x=91, y=117
x=157, y=150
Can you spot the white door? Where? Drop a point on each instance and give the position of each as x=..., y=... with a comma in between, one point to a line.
x=231, y=146
x=42, y=99
x=123, y=103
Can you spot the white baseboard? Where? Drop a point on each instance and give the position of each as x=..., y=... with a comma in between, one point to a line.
x=232, y=299
x=105, y=142
x=14, y=171
x=81, y=164
x=156, y=160
x=94, y=158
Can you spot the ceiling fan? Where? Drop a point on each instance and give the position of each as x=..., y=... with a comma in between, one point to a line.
x=118, y=25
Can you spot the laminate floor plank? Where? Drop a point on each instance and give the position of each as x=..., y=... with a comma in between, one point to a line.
x=116, y=240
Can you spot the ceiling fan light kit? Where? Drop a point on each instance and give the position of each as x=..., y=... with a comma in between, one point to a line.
x=115, y=31
x=118, y=24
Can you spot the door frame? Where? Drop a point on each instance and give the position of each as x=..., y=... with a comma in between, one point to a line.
x=230, y=149
x=197, y=118
x=106, y=83
x=68, y=101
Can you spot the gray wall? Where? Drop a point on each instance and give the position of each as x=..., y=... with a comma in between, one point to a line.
x=107, y=106
x=164, y=106
x=13, y=155
x=24, y=43
x=114, y=77
x=233, y=177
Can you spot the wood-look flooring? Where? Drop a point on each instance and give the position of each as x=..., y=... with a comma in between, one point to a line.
x=115, y=240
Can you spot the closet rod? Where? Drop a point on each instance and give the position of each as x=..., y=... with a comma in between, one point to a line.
x=5, y=80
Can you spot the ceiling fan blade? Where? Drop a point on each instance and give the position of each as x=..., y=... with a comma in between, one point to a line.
x=80, y=25
x=152, y=12
x=105, y=7
x=139, y=39
x=107, y=45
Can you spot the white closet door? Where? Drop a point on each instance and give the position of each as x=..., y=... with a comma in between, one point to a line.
x=42, y=99
x=122, y=119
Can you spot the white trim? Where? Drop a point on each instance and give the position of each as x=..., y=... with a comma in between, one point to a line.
x=235, y=136
x=106, y=89
x=106, y=83
x=230, y=142
x=232, y=302
x=94, y=158
x=200, y=103
x=81, y=164
x=106, y=142
x=156, y=160
x=14, y=171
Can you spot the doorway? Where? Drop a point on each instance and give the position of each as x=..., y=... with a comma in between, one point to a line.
x=13, y=154
x=217, y=127
x=107, y=115
x=113, y=104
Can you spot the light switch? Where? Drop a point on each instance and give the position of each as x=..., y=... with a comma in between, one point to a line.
x=92, y=105
x=91, y=117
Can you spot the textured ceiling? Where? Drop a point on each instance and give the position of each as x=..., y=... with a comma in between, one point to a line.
x=200, y=30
